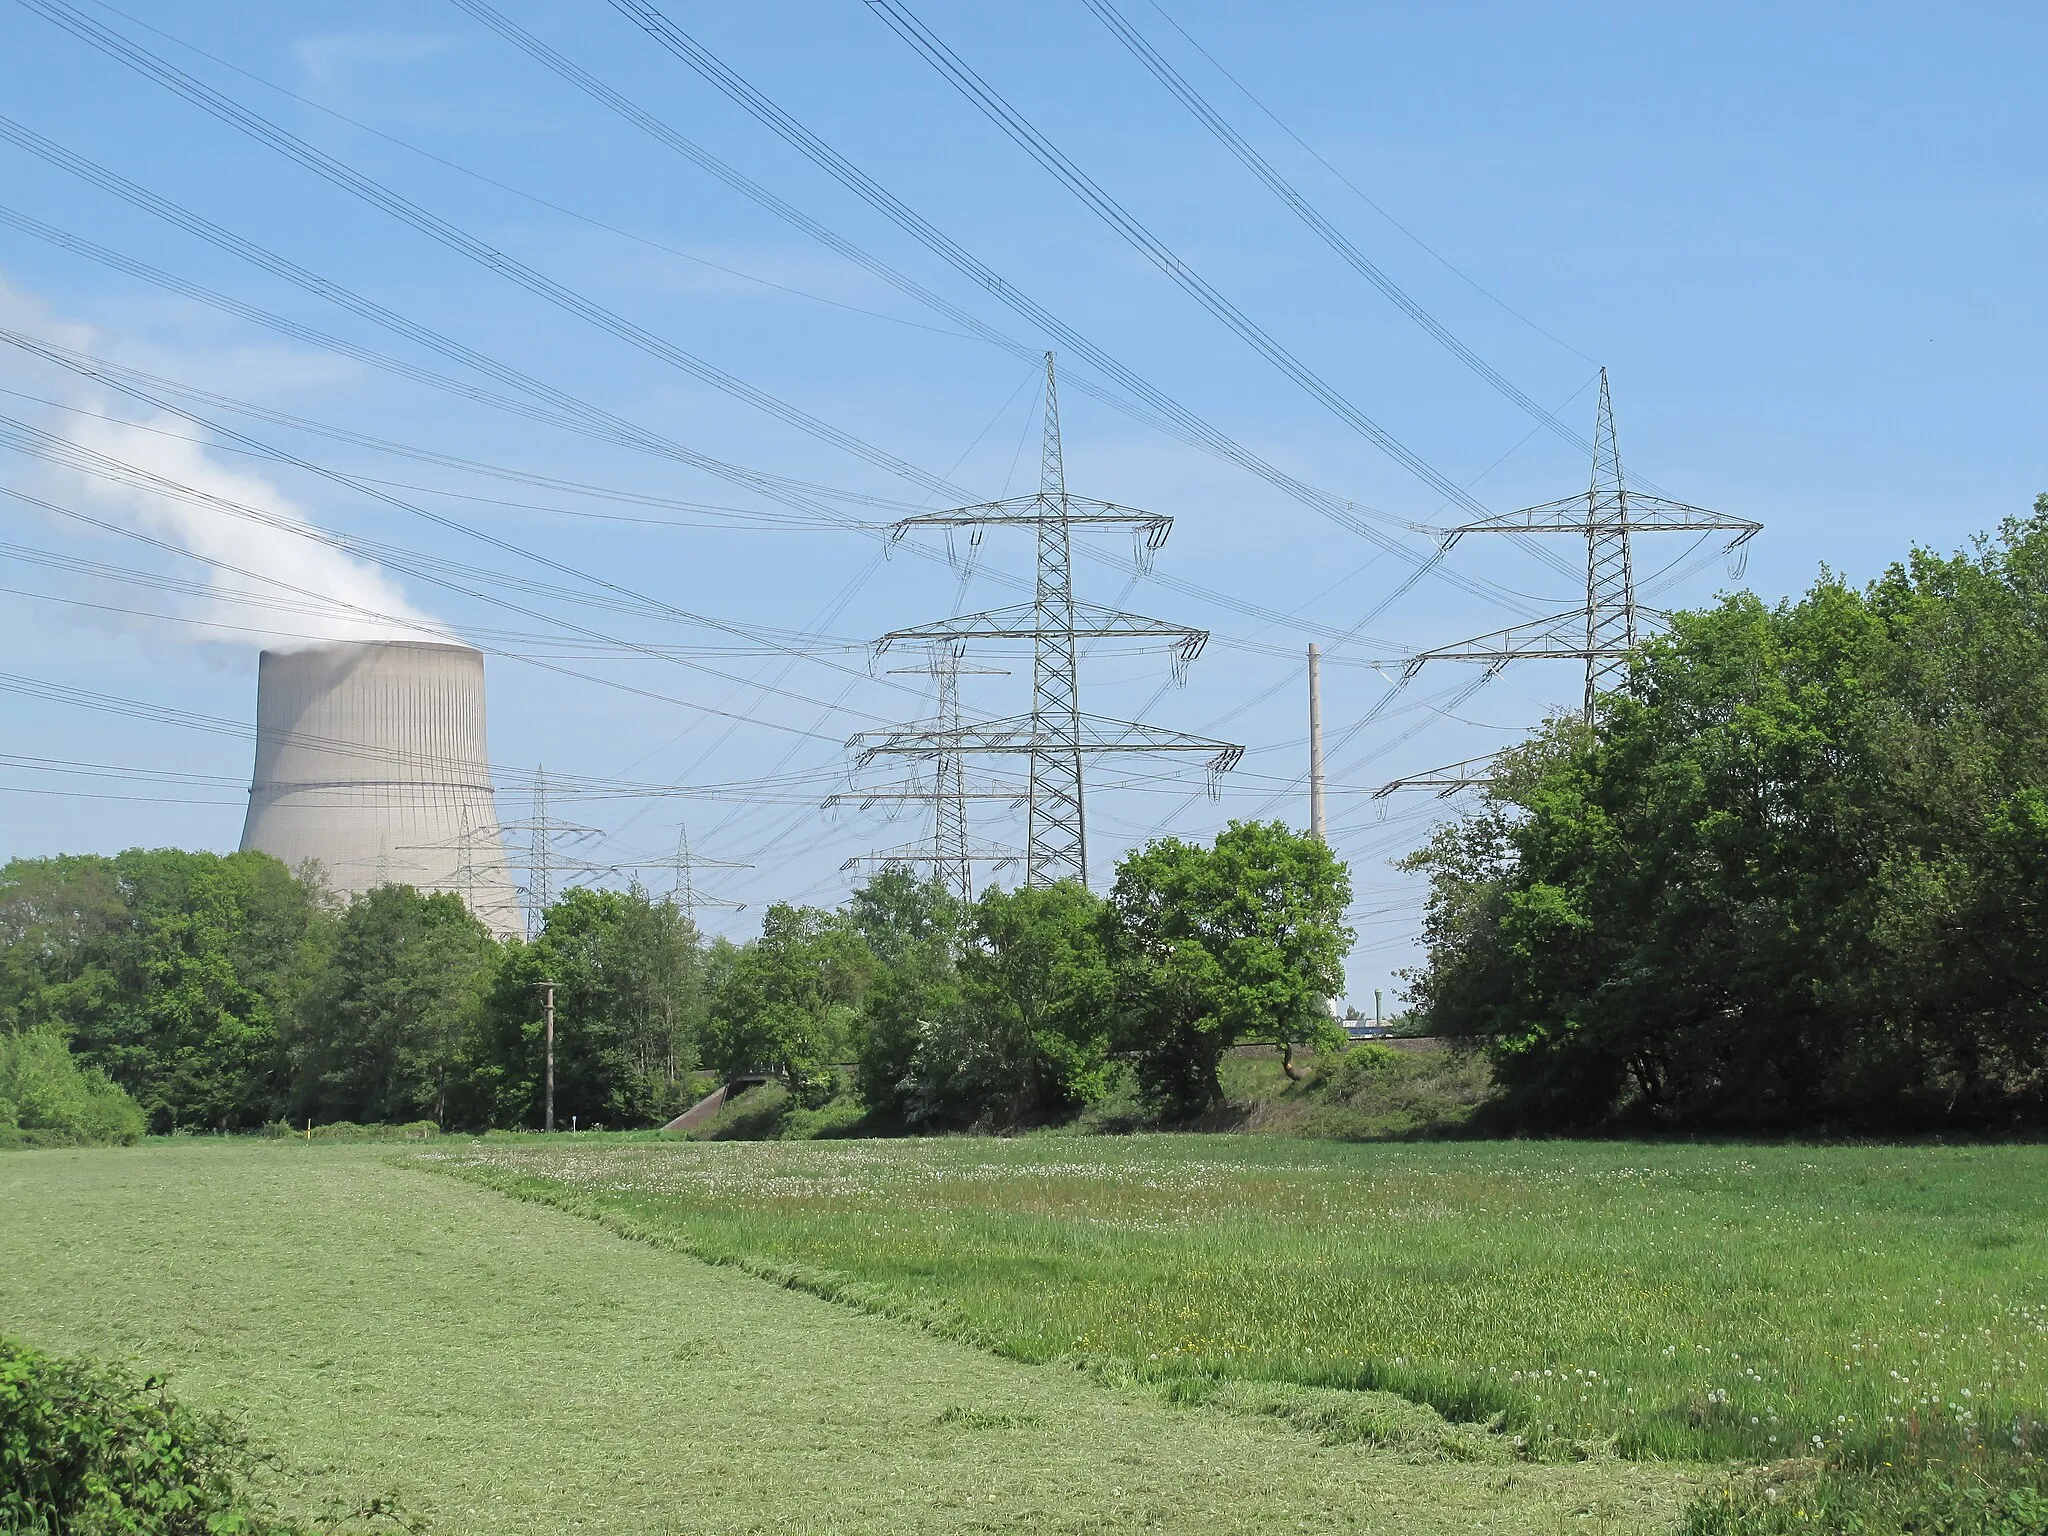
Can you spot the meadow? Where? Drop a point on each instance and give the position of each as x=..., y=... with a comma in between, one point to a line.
x=1698, y=1301
x=415, y=1351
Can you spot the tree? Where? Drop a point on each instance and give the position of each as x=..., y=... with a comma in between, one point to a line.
x=912, y=928
x=1037, y=996
x=382, y=1032
x=790, y=1001
x=48, y=1099
x=1214, y=947
x=167, y=970
x=1789, y=878
x=628, y=1010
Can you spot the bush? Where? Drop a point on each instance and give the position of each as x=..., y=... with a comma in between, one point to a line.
x=48, y=1100
x=88, y=1449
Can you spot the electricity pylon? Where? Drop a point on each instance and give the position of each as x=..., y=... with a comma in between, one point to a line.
x=1607, y=516
x=686, y=895
x=952, y=854
x=543, y=831
x=1056, y=736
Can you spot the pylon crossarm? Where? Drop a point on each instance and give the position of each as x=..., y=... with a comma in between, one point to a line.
x=1447, y=780
x=1153, y=526
x=1645, y=514
x=1022, y=622
x=1562, y=636
x=1022, y=735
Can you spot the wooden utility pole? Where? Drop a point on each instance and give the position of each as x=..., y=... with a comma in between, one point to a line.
x=1316, y=826
x=549, y=1122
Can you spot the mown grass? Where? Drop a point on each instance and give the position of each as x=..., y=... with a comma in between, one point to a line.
x=405, y=1342
x=1720, y=1302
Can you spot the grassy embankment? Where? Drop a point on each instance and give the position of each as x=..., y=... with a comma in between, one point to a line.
x=496, y=1366
x=1693, y=1301
x=1403, y=1091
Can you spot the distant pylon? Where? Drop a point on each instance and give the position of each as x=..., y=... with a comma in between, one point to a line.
x=1607, y=516
x=685, y=894
x=1056, y=736
x=1610, y=567
x=540, y=875
x=953, y=854
x=1056, y=843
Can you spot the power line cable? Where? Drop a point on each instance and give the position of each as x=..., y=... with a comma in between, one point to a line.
x=153, y=66
x=1020, y=130
x=1427, y=249
x=519, y=192
x=1160, y=410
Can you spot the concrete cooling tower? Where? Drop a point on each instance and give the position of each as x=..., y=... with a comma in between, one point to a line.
x=370, y=758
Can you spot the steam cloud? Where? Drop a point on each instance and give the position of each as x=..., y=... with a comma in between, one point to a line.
x=356, y=600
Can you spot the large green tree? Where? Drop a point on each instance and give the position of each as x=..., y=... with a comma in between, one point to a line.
x=1791, y=875
x=628, y=1014
x=383, y=1032
x=1216, y=947
x=170, y=971
x=789, y=1001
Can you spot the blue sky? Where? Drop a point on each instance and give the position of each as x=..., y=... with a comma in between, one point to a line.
x=1806, y=242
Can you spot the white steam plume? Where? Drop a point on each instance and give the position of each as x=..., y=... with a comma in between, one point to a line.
x=355, y=600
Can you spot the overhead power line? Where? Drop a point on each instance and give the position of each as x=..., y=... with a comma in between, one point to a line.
x=34, y=440
x=790, y=493
x=1166, y=413
x=1360, y=193
x=1034, y=143
x=1313, y=217
x=154, y=67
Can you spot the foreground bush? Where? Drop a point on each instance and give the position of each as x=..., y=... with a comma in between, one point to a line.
x=88, y=1449
x=1968, y=1489
x=47, y=1099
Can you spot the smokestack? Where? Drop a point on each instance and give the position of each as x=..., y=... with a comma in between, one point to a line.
x=370, y=758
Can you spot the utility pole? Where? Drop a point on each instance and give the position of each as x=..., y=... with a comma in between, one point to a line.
x=1316, y=825
x=548, y=1100
x=1056, y=736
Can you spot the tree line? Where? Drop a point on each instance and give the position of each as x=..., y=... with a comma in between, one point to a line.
x=226, y=992
x=1793, y=875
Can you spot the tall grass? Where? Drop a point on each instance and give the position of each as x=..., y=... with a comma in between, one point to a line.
x=1728, y=1303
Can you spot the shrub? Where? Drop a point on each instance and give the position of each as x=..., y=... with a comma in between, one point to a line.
x=88, y=1449
x=48, y=1099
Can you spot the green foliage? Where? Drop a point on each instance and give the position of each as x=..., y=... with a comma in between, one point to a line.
x=1790, y=878
x=90, y=1450
x=628, y=1014
x=170, y=971
x=1995, y=1486
x=790, y=1000
x=1217, y=946
x=997, y=1016
x=48, y=1099
x=383, y=1031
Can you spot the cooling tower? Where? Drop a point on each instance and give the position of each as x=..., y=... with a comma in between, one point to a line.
x=370, y=758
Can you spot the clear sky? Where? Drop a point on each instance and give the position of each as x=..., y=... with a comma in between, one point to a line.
x=1806, y=242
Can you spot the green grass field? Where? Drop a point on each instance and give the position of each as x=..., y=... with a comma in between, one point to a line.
x=494, y=1365
x=1718, y=1302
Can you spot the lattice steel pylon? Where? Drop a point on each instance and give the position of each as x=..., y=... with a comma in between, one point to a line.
x=952, y=853
x=1057, y=736
x=1608, y=516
